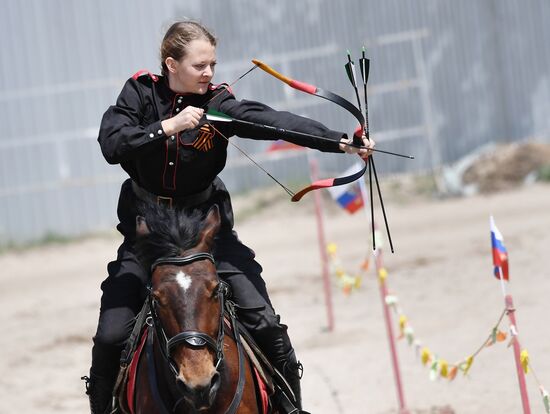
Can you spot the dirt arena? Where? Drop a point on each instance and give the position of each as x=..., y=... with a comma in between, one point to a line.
x=441, y=271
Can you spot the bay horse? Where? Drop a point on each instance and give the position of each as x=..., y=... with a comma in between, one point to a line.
x=187, y=360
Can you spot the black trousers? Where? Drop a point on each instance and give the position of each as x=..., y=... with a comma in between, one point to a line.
x=124, y=290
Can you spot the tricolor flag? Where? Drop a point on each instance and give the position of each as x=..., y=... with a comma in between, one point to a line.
x=348, y=195
x=500, y=254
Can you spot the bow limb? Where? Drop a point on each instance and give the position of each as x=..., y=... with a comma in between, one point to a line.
x=329, y=96
x=329, y=182
x=313, y=90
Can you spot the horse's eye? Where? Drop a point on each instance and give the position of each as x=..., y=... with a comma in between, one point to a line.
x=221, y=289
x=216, y=291
x=158, y=298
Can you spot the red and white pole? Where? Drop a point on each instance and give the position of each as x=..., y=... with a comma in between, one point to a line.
x=381, y=272
x=314, y=170
x=510, y=310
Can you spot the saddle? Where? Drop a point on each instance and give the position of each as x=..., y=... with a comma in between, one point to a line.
x=271, y=387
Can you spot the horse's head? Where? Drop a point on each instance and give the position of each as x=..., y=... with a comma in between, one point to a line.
x=186, y=298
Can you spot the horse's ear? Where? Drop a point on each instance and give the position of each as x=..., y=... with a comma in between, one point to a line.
x=141, y=227
x=211, y=226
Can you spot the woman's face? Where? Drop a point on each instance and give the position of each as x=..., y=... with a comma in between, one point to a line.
x=193, y=72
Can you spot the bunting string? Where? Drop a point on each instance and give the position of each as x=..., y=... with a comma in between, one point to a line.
x=440, y=367
x=347, y=282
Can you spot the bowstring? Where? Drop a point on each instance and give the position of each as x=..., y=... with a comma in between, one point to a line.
x=287, y=190
x=228, y=86
x=243, y=152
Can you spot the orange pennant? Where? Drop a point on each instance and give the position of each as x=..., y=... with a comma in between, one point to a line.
x=452, y=373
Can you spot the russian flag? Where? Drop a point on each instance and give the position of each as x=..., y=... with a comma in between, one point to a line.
x=349, y=195
x=500, y=254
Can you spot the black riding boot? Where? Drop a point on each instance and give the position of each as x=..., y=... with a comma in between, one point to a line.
x=103, y=375
x=100, y=392
x=292, y=369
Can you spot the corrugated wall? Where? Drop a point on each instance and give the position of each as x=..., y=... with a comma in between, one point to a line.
x=446, y=78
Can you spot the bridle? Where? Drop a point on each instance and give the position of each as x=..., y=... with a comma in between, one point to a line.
x=192, y=338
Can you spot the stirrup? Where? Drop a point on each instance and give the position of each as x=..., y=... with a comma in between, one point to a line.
x=113, y=410
x=285, y=403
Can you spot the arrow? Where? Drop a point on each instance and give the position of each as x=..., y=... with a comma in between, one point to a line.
x=216, y=116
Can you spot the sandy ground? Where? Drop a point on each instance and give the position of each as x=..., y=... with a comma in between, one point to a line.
x=441, y=272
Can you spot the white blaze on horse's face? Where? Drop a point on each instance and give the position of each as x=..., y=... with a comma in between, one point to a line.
x=183, y=280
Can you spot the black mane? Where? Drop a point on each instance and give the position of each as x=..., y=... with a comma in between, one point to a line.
x=170, y=232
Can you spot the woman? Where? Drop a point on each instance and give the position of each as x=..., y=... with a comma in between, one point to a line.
x=158, y=133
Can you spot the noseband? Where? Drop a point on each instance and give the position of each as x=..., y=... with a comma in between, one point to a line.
x=194, y=339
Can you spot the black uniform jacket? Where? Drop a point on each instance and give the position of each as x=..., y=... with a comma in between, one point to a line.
x=188, y=162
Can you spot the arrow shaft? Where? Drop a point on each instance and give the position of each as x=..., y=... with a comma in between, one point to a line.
x=283, y=131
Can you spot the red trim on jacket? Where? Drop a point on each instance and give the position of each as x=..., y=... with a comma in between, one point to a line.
x=145, y=72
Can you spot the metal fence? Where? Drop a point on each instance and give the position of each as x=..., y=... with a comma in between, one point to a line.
x=446, y=78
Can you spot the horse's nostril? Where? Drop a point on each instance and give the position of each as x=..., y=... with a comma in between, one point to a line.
x=182, y=385
x=215, y=381
x=214, y=386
